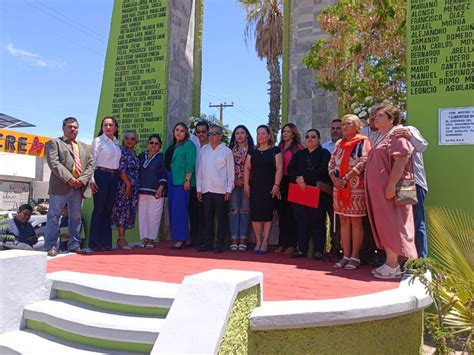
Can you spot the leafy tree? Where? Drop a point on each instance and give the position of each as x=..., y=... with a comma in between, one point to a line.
x=365, y=52
x=211, y=120
x=265, y=23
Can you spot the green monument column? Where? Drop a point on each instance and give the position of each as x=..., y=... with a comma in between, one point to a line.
x=150, y=81
x=441, y=96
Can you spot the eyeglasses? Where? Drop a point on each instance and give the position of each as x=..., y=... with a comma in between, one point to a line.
x=200, y=131
x=154, y=143
x=213, y=134
x=310, y=136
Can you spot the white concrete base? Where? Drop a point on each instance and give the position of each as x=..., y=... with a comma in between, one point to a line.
x=196, y=321
x=77, y=319
x=22, y=274
x=33, y=342
x=116, y=289
x=307, y=314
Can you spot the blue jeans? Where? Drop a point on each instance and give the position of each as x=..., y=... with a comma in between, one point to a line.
x=73, y=199
x=100, y=235
x=421, y=239
x=311, y=224
x=239, y=214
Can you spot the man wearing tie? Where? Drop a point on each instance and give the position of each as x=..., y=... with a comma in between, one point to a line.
x=71, y=167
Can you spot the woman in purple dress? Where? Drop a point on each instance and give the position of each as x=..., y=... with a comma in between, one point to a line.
x=126, y=200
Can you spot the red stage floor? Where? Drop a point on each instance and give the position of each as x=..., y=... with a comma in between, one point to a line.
x=284, y=278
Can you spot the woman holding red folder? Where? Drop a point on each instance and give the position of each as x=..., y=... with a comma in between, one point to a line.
x=346, y=169
x=308, y=167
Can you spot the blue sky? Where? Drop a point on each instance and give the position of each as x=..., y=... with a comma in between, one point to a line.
x=53, y=53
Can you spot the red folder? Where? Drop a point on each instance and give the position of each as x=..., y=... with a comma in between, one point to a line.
x=307, y=197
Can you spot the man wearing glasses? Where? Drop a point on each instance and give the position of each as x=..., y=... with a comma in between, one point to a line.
x=195, y=209
x=214, y=184
x=71, y=167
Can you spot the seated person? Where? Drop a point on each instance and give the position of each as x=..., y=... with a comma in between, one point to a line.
x=18, y=233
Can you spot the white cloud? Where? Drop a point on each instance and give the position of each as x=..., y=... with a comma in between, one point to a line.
x=33, y=58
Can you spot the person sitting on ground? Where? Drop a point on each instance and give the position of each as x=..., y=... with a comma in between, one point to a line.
x=18, y=233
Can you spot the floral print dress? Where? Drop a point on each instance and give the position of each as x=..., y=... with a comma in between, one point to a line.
x=125, y=208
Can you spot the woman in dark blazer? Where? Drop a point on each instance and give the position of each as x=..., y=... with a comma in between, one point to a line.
x=180, y=160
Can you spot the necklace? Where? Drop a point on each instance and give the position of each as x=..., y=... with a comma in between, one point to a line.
x=381, y=137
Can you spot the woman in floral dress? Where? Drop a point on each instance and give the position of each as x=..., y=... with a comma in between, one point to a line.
x=126, y=200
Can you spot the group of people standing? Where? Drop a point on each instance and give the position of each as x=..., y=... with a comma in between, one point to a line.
x=242, y=184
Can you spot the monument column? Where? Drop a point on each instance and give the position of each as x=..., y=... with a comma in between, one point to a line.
x=149, y=75
x=308, y=105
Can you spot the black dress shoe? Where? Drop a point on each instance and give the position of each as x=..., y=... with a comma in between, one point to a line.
x=203, y=248
x=77, y=251
x=298, y=254
x=318, y=256
x=219, y=250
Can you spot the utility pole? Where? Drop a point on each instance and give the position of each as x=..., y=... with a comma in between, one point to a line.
x=221, y=107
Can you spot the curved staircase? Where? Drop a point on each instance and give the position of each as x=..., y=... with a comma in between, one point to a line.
x=93, y=314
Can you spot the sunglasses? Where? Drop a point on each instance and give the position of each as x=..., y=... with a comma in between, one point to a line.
x=154, y=143
x=213, y=134
x=199, y=131
x=310, y=136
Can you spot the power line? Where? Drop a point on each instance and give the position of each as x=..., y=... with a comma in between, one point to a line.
x=66, y=23
x=87, y=28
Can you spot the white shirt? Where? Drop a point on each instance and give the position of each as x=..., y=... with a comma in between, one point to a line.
x=420, y=144
x=215, y=170
x=329, y=146
x=372, y=135
x=106, y=152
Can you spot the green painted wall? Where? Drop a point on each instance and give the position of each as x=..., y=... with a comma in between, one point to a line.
x=236, y=336
x=399, y=335
x=441, y=75
x=197, y=64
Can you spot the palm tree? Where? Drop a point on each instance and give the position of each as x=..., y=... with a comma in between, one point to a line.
x=265, y=23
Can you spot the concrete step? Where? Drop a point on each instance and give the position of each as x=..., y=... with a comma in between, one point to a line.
x=115, y=293
x=80, y=323
x=33, y=342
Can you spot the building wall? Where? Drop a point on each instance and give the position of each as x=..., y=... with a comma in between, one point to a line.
x=309, y=106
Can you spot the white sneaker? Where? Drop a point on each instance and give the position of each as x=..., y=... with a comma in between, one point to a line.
x=380, y=268
x=389, y=273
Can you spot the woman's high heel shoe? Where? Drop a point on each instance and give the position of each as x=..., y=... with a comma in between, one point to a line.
x=179, y=246
x=123, y=245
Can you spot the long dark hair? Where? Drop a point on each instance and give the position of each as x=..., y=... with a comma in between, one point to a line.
x=116, y=125
x=186, y=130
x=233, y=142
x=271, y=136
x=296, y=137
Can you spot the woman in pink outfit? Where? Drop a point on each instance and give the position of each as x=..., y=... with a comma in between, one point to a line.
x=389, y=161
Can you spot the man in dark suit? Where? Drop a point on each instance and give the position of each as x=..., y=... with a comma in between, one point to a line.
x=71, y=167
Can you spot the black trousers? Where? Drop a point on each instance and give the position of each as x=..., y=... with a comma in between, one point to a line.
x=215, y=207
x=196, y=219
x=311, y=225
x=286, y=219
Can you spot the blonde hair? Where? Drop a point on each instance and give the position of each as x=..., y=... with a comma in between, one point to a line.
x=356, y=120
